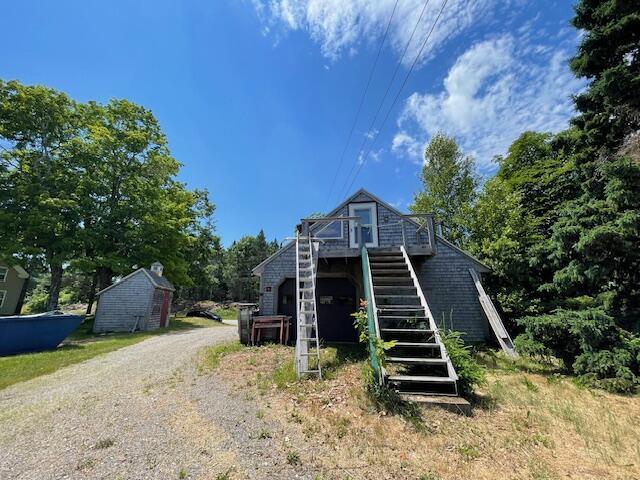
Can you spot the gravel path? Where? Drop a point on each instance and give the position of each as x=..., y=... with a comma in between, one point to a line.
x=141, y=412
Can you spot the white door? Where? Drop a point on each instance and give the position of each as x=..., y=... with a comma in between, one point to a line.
x=368, y=215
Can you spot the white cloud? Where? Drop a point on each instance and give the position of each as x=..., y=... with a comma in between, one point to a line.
x=496, y=90
x=341, y=26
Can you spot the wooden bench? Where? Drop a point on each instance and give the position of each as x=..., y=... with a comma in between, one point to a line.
x=280, y=322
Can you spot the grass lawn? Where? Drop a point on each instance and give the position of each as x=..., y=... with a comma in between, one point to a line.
x=228, y=313
x=82, y=345
x=529, y=422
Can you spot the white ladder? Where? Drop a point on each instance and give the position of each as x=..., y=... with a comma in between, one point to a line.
x=307, y=342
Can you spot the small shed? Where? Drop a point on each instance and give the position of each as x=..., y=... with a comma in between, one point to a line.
x=140, y=301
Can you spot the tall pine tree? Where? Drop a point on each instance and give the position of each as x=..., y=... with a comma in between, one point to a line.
x=595, y=241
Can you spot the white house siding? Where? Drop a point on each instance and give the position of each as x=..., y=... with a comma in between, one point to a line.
x=451, y=293
x=118, y=307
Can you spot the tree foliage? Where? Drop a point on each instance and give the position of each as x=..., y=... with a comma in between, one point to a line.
x=560, y=222
x=241, y=257
x=449, y=186
x=92, y=187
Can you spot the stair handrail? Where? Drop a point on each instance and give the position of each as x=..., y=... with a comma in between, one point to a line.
x=373, y=328
x=432, y=324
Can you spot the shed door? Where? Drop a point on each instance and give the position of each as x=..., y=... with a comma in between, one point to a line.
x=164, y=313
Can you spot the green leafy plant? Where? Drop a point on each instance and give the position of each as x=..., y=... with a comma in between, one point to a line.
x=470, y=372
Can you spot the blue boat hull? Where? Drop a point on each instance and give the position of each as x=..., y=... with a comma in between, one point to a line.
x=35, y=333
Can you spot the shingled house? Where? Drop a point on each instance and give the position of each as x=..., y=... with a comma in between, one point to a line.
x=140, y=301
x=413, y=277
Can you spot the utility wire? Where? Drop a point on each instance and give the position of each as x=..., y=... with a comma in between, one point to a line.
x=444, y=4
x=364, y=94
x=384, y=97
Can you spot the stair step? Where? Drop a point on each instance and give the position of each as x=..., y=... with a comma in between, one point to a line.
x=419, y=378
x=402, y=308
x=398, y=265
x=402, y=317
x=417, y=344
x=309, y=371
x=308, y=339
x=375, y=272
x=426, y=361
x=306, y=289
x=406, y=330
x=393, y=295
x=307, y=325
x=394, y=287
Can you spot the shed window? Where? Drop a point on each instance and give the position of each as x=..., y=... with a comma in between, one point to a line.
x=4, y=271
x=3, y=295
x=331, y=231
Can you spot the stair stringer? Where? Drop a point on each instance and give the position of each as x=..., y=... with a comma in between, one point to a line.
x=432, y=324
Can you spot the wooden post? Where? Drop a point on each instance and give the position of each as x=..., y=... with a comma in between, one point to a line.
x=404, y=239
x=360, y=239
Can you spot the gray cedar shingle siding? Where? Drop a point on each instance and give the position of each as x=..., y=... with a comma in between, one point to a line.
x=389, y=227
x=134, y=296
x=451, y=293
x=444, y=276
x=118, y=307
x=280, y=268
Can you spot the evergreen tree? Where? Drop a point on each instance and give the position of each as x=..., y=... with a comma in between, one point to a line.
x=595, y=241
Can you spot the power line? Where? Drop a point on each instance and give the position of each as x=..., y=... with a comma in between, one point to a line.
x=444, y=4
x=389, y=85
x=364, y=94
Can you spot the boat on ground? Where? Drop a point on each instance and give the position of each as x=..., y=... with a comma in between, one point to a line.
x=35, y=333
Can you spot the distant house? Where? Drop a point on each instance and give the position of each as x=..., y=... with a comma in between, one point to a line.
x=140, y=301
x=13, y=284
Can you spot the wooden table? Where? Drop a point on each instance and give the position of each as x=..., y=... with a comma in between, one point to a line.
x=280, y=322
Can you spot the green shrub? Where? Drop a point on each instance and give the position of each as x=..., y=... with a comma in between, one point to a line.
x=590, y=345
x=470, y=372
x=36, y=300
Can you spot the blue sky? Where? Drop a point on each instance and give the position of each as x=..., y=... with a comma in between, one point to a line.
x=257, y=97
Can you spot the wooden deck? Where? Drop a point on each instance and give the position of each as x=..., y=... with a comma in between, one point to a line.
x=353, y=252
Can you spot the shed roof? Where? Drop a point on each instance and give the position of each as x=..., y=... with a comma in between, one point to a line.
x=157, y=281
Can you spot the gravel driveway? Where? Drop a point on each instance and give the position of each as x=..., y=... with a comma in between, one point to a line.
x=141, y=412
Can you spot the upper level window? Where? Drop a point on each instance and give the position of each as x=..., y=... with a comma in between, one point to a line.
x=4, y=271
x=331, y=231
x=3, y=294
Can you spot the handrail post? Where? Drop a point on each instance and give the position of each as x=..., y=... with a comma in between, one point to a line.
x=359, y=234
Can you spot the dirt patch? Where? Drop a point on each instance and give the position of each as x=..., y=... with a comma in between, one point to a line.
x=527, y=426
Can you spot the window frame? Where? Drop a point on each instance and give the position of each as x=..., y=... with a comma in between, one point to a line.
x=3, y=297
x=373, y=207
x=3, y=278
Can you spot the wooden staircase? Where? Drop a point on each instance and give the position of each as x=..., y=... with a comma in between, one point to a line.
x=418, y=364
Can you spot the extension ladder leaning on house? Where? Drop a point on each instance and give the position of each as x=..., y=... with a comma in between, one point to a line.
x=307, y=342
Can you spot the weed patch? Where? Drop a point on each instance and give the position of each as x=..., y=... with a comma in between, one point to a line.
x=211, y=356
